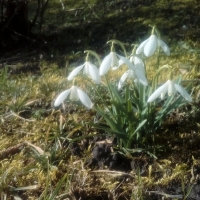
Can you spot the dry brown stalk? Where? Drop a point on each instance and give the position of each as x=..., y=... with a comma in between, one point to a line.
x=11, y=150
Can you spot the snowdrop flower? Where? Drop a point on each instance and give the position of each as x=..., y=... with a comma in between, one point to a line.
x=128, y=74
x=120, y=64
x=136, y=73
x=149, y=46
x=137, y=61
x=89, y=69
x=75, y=94
x=171, y=88
x=112, y=60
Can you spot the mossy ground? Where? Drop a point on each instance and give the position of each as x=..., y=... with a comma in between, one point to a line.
x=37, y=160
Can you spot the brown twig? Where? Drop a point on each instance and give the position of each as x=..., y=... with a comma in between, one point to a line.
x=11, y=151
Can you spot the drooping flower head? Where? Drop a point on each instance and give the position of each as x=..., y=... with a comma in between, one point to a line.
x=136, y=71
x=75, y=94
x=171, y=88
x=112, y=60
x=137, y=61
x=149, y=46
x=89, y=69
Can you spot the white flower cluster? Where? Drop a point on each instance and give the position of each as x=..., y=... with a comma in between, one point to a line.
x=136, y=72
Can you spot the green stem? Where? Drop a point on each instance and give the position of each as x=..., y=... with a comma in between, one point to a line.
x=108, y=85
x=157, y=67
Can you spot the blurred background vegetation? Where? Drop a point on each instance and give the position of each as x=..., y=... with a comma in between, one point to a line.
x=67, y=26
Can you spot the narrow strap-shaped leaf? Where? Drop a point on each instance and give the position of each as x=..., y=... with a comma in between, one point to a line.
x=108, y=119
x=167, y=108
x=143, y=101
x=115, y=91
x=59, y=185
x=137, y=129
x=140, y=125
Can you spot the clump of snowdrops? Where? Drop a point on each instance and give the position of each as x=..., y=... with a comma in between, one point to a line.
x=135, y=105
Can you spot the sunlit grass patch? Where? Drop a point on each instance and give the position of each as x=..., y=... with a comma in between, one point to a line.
x=28, y=115
x=37, y=156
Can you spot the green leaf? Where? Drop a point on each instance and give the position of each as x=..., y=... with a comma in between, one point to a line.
x=59, y=185
x=169, y=106
x=108, y=119
x=141, y=124
x=116, y=94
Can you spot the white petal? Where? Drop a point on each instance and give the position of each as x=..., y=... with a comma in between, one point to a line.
x=84, y=98
x=126, y=61
x=105, y=65
x=138, y=63
x=141, y=47
x=150, y=46
x=122, y=79
x=74, y=94
x=121, y=62
x=183, y=92
x=158, y=92
x=114, y=62
x=164, y=47
x=171, y=88
x=141, y=77
x=94, y=73
x=75, y=72
x=61, y=97
x=140, y=68
x=137, y=60
x=163, y=93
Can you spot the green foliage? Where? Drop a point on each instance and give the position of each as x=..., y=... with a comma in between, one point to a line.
x=131, y=119
x=127, y=114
